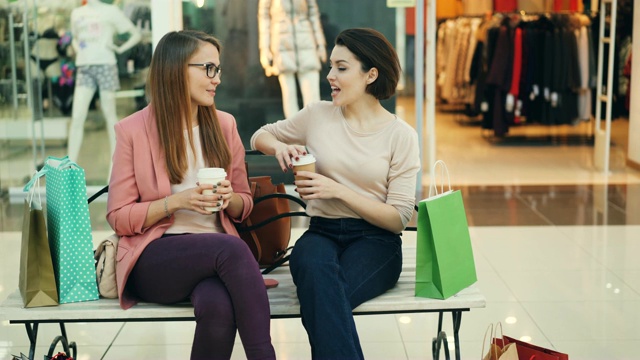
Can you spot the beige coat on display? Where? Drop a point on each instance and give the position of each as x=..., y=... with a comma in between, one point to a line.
x=292, y=44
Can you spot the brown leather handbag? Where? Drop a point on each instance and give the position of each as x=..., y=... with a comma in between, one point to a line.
x=268, y=228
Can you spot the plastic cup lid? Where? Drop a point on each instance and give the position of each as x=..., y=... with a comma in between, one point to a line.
x=212, y=173
x=303, y=160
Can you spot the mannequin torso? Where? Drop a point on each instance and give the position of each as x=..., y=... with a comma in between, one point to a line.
x=93, y=27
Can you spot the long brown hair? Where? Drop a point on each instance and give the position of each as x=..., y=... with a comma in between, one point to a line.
x=168, y=89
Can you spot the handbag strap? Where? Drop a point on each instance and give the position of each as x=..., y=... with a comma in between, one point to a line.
x=443, y=170
x=252, y=233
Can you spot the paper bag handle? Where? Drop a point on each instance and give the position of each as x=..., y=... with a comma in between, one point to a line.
x=443, y=170
x=33, y=189
x=34, y=178
x=64, y=162
x=489, y=332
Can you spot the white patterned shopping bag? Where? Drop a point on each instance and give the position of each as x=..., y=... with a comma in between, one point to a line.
x=69, y=230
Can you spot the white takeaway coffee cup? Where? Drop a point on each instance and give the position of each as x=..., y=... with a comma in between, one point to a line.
x=303, y=163
x=211, y=176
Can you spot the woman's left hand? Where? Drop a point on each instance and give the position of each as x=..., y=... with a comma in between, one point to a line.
x=317, y=187
x=224, y=191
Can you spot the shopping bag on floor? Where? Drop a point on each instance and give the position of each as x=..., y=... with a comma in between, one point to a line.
x=529, y=351
x=498, y=350
x=69, y=230
x=444, y=257
x=37, y=282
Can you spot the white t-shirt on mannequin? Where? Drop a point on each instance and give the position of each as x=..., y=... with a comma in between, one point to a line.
x=93, y=27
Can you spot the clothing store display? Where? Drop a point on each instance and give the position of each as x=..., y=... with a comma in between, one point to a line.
x=477, y=7
x=93, y=27
x=536, y=68
x=292, y=45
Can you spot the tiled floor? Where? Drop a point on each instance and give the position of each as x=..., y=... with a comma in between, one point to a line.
x=555, y=245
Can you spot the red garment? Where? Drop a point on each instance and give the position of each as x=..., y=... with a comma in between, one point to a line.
x=505, y=5
x=517, y=63
x=410, y=20
x=627, y=72
x=566, y=5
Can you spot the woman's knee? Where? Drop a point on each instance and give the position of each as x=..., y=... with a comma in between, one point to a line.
x=234, y=248
x=313, y=255
x=211, y=301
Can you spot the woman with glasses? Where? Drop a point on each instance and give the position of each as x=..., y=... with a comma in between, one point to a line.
x=171, y=249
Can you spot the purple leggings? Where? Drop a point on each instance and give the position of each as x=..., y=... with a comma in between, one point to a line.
x=218, y=273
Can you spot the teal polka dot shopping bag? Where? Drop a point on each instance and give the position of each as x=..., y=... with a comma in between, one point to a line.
x=69, y=230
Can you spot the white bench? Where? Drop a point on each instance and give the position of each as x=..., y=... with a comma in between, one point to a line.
x=282, y=299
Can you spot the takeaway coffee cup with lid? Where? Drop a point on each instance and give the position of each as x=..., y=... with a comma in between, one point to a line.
x=304, y=163
x=211, y=176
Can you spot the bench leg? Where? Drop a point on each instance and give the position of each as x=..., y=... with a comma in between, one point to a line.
x=457, y=319
x=456, y=316
x=32, y=333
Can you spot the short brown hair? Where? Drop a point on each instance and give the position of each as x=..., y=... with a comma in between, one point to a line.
x=374, y=50
x=168, y=89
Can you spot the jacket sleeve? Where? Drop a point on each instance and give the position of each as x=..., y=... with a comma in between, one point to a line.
x=314, y=17
x=237, y=171
x=125, y=213
x=264, y=24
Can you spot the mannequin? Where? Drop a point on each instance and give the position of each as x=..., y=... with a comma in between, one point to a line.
x=93, y=26
x=292, y=45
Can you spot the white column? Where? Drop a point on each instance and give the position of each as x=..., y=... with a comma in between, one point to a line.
x=401, y=44
x=166, y=15
x=633, y=154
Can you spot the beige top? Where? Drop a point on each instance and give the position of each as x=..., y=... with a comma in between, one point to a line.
x=381, y=165
x=187, y=221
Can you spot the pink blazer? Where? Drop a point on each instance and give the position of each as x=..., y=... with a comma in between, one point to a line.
x=139, y=176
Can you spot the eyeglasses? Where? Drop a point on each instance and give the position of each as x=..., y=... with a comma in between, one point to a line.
x=212, y=69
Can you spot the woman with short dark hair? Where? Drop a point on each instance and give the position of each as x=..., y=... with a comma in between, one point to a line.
x=361, y=196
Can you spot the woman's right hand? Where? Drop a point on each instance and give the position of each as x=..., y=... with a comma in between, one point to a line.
x=288, y=152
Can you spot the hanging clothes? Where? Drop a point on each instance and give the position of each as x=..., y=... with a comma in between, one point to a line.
x=516, y=69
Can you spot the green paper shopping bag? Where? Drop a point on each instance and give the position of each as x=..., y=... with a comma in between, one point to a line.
x=69, y=229
x=444, y=258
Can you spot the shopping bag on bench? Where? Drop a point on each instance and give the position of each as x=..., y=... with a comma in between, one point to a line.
x=268, y=243
x=444, y=257
x=105, y=256
x=69, y=229
x=37, y=282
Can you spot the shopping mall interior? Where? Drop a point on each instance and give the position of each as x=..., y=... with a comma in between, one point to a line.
x=552, y=233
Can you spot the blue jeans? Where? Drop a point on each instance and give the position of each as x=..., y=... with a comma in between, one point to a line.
x=337, y=265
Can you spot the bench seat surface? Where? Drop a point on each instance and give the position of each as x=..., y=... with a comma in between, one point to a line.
x=282, y=299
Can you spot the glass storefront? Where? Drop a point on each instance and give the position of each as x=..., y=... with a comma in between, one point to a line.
x=37, y=92
x=38, y=84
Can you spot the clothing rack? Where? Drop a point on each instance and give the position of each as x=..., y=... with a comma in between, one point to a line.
x=526, y=93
